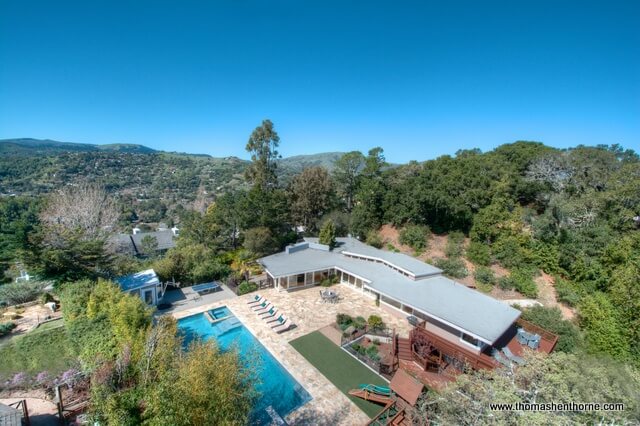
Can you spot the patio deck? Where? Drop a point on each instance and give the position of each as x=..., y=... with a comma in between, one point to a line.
x=309, y=313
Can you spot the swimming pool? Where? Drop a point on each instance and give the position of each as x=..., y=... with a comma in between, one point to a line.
x=277, y=388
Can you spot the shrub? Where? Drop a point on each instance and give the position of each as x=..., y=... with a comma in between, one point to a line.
x=343, y=319
x=506, y=283
x=46, y=298
x=452, y=267
x=479, y=253
x=391, y=247
x=247, y=287
x=568, y=292
x=359, y=348
x=415, y=236
x=484, y=275
x=524, y=283
x=372, y=352
x=569, y=336
x=454, y=244
x=375, y=322
x=16, y=293
x=374, y=239
x=6, y=327
x=359, y=322
x=329, y=281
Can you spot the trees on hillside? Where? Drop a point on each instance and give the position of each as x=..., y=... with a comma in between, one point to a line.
x=71, y=242
x=560, y=378
x=368, y=212
x=141, y=374
x=310, y=196
x=263, y=147
x=345, y=174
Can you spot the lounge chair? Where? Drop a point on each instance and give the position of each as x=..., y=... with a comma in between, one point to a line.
x=507, y=352
x=256, y=299
x=500, y=358
x=282, y=318
x=522, y=336
x=286, y=325
x=534, y=342
x=264, y=304
x=265, y=309
x=269, y=314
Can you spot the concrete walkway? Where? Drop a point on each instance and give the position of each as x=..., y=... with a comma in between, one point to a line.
x=185, y=298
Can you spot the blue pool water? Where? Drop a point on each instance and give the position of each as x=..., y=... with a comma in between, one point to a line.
x=277, y=388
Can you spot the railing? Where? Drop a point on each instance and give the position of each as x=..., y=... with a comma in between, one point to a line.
x=532, y=328
x=385, y=415
x=344, y=340
x=457, y=355
x=375, y=365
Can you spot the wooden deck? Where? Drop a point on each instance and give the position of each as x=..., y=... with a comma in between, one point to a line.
x=432, y=380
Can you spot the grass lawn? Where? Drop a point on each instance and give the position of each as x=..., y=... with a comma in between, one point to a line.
x=344, y=371
x=44, y=349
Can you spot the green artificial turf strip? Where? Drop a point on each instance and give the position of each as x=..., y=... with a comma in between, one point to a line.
x=340, y=368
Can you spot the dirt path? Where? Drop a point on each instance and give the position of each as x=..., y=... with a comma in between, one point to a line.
x=42, y=411
x=548, y=296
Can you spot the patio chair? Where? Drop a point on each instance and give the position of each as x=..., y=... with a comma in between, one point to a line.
x=507, y=352
x=265, y=309
x=286, y=325
x=271, y=313
x=501, y=359
x=282, y=318
x=534, y=342
x=257, y=307
x=256, y=299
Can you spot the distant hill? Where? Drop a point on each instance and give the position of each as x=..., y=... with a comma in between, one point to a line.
x=25, y=147
x=293, y=165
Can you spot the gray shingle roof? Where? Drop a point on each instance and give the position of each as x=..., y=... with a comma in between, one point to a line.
x=132, y=243
x=436, y=295
x=408, y=263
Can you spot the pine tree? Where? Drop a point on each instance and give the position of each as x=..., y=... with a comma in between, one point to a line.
x=328, y=234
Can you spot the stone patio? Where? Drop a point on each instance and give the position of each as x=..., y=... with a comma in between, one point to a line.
x=305, y=309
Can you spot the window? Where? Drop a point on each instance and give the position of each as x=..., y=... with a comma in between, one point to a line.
x=358, y=283
x=391, y=301
x=300, y=279
x=148, y=297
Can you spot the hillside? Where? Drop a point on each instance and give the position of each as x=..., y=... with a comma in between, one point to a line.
x=157, y=185
x=44, y=147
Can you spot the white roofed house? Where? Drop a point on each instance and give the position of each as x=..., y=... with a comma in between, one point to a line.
x=455, y=321
x=145, y=284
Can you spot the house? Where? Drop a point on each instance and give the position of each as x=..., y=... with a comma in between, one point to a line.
x=460, y=321
x=135, y=244
x=144, y=284
x=10, y=416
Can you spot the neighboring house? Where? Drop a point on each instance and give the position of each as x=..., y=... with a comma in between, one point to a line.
x=144, y=284
x=450, y=312
x=133, y=244
x=10, y=416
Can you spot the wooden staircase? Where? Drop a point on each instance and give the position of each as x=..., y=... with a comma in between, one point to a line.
x=404, y=349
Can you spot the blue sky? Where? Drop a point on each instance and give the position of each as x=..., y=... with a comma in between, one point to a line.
x=420, y=79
